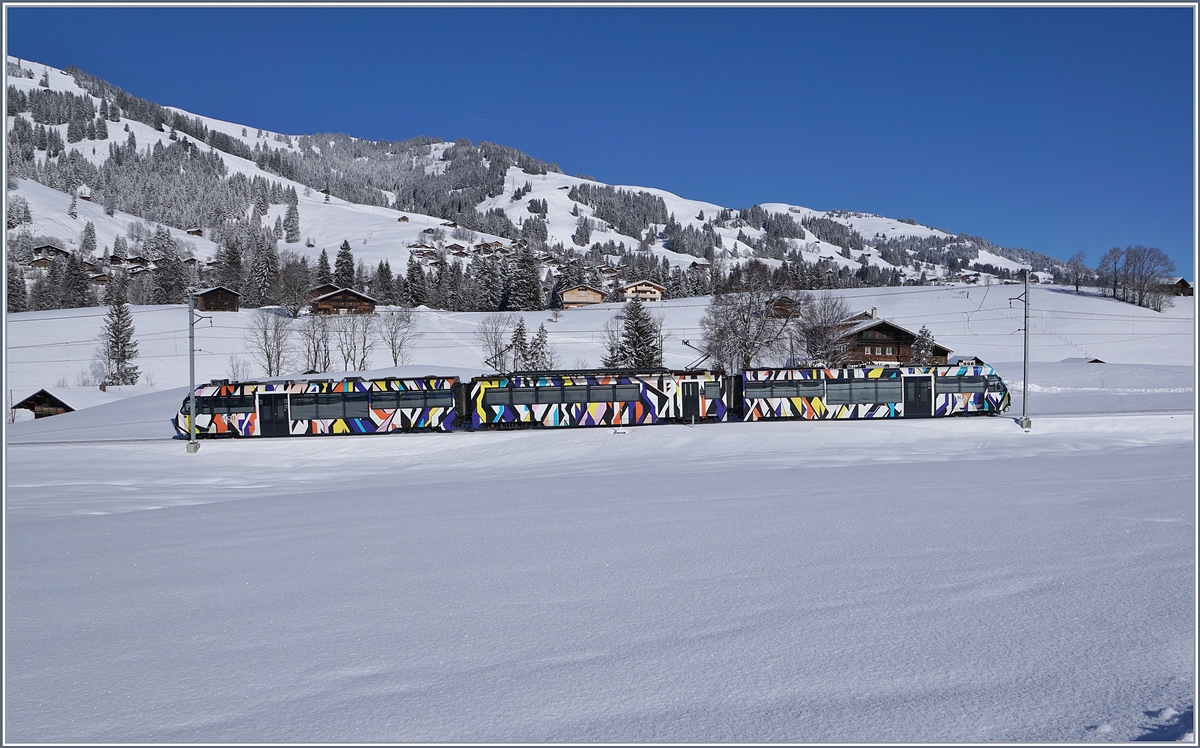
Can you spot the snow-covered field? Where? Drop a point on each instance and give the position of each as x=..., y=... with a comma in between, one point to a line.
x=954, y=580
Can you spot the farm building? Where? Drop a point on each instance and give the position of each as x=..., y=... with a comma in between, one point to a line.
x=873, y=339
x=343, y=301
x=217, y=299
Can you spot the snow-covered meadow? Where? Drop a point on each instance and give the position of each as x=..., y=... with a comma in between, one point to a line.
x=954, y=579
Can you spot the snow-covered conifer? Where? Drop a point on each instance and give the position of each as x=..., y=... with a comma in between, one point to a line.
x=343, y=267
x=87, y=240
x=117, y=345
x=922, y=348
x=15, y=293
x=324, y=273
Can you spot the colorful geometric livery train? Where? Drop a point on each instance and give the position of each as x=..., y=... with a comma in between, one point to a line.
x=614, y=397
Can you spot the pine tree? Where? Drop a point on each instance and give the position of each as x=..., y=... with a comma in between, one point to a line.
x=71, y=210
x=117, y=346
x=169, y=278
x=291, y=223
x=324, y=274
x=540, y=357
x=922, y=348
x=527, y=285
x=343, y=267
x=639, y=346
x=15, y=294
x=120, y=246
x=381, y=284
x=520, y=346
x=87, y=241
x=418, y=289
x=278, y=229
x=76, y=291
x=101, y=129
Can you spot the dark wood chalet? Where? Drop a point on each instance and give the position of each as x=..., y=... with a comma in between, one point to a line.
x=217, y=299
x=874, y=340
x=44, y=403
x=317, y=292
x=343, y=301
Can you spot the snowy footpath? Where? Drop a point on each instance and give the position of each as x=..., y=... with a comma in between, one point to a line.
x=936, y=580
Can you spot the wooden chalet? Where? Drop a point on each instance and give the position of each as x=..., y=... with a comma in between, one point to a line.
x=318, y=291
x=874, y=340
x=644, y=290
x=217, y=299
x=343, y=301
x=44, y=403
x=195, y=232
x=403, y=219
x=582, y=295
x=42, y=262
x=1177, y=286
x=51, y=251
x=100, y=279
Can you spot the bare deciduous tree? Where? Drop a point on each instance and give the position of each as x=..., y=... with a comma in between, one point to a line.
x=292, y=283
x=823, y=329
x=239, y=369
x=314, y=339
x=398, y=331
x=354, y=336
x=752, y=325
x=493, y=336
x=267, y=337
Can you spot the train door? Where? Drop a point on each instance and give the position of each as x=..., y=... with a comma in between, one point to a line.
x=918, y=397
x=691, y=401
x=273, y=415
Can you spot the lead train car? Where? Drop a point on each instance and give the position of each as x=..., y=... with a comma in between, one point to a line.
x=306, y=407
x=871, y=392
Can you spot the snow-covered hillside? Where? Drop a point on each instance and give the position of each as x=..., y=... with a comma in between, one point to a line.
x=375, y=233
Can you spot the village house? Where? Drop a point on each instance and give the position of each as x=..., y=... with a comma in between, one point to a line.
x=874, y=340
x=581, y=296
x=643, y=290
x=217, y=299
x=1177, y=286
x=318, y=291
x=343, y=301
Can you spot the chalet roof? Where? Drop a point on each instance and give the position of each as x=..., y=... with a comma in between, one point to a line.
x=881, y=322
x=643, y=282
x=210, y=289
x=43, y=397
x=351, y=291
x=586, y=287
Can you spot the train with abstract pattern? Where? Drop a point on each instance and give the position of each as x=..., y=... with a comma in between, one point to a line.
x=305, y=406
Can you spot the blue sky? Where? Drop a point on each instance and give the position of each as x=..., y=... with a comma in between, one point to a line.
x=1057, y=130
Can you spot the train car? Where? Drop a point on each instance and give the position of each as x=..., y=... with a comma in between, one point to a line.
x=310, y=407
x=594, y=397
x=871, y=392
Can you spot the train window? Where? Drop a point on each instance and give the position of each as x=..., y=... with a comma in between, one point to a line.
x=549, y=395
x=809, y=387
x=889, y=391
x=627, y=393
x=837, y=393
x=385, y=400
x=784, y=389
x=497, y=396
x=238, y=404
x=712, y=390
x=575, y=394
x=330, y=405
x=412, y=399
x=994, y=383
x=524, y=396
x=757, y=389
x=600, y=393
x=960, y=384
x=439, y=399
x=304, y=407
x=204, y=405
x=356, y=405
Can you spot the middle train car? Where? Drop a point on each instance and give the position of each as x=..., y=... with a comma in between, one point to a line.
x=610, y=397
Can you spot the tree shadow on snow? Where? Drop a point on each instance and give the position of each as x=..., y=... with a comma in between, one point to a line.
x=1176, y=726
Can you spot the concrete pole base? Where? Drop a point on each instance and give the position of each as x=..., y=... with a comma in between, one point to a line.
x=1026, y=423
x=193, y=447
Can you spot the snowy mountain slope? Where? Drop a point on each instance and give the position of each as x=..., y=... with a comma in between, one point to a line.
x=391, y=243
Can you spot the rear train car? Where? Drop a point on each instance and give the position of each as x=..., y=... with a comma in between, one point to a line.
x=312, y=407
x=871, y=392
